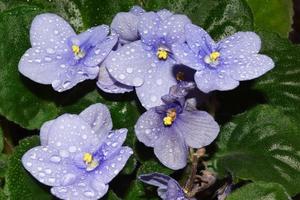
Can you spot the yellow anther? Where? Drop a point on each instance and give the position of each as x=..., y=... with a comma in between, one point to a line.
x=75, y=49
x=170, y=118
x=88, y=158
x=162, y=54
x=214, y=56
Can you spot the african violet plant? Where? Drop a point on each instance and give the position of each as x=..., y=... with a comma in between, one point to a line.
x=142, y=98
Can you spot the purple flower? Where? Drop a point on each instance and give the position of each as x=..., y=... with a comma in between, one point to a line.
x=147, y=64
x=79, y=154
x=60, y=57
x=171, y=128
x=220, y=66
x=168, y=188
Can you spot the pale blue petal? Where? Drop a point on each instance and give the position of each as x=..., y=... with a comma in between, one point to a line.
x=45, y=131
x=148, y=28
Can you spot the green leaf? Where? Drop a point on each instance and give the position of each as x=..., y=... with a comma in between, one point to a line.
x=261, y=145
x=275, y=15
x=19, y=183
x=281, y=85
x=153, y=166
x=260, y=191
x=111, y=196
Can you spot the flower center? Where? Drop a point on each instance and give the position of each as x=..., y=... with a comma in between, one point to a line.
x=213, y=58
x=170, y=118
x=90, y=162
x=77, y=51
x=162, y=53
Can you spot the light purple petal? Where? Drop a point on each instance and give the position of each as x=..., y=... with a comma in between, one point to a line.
x=70, y=134
x=240, y=43
x=174, y=191
x=155, y=179
x=99, y=119
x=89, y=188
x=129, y=64
x=171, y=150
x=158, y=81
x=50, y=31
x=250, y=67
x=137, y=10
x=113, y=142
x=186, y=56
x=148, y=28
x=149, y=127
x=45, y=131
x=209, y=80
x=198, y=128
x=172, y=28
x=100, y=52
x=111, y=167
x=42, y=65
x=48, y=167
x=197, y=38
x=164, y=14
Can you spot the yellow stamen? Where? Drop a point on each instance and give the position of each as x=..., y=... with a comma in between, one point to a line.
x=162, y=54
x=214, y=56
x=180, y=76
x=75, y=49
x=88, y=158
x=170, y=118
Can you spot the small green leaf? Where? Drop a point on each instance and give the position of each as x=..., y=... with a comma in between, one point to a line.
x=275, y=15
x=260, y=191
x=261, y=145
x=152, y=166
x=111, y=196
x=19, y=183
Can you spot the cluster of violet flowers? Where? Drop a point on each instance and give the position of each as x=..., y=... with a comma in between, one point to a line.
x=142, y=51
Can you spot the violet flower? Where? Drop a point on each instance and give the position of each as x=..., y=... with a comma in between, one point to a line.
x=171, y=128
x=220, y=66
x=79, y=154
x=147, y=64
x=60, y=57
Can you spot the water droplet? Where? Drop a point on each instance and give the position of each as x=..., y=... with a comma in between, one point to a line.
x=137, y=81
x=68, y=179
x=55, y=159
x=72, y=149
x=122, y=76
x=48, y=171
x=89, y=193
x=129, y=70
x=50, y=50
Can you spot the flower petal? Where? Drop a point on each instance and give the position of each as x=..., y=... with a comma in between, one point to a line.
x=100, y=52
x=172, y=28
x=148, y=28
x=111, y=167
x=174, y=191
x=149, y=127
x=157, y=84
x=198, y=128
x=197, y=38
x=89, y=188
x=47, y=166
x=186, y=56
x=50, y=31
x=99, y=119
x=45, y=131
x=113, y=142
x=171, y=150
x=250, y=67
x=155, y=179
x=41, y=65
x=209, y=80
x=70, y=134
x=164, y=14
x=137, y=10
x=129, y=64
x=240, y=43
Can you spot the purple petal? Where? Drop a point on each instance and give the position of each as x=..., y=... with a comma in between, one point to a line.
x=250, y=66
x=70, y=134
x=113, y=142
x=240, y=43
x=99, y=119
x=174, y=191
x=48, y=167
x=111, y=167
x=89, y=188
x=42, y=65
x=50, y=31
x=172, y=28
x=137, y=10
x=164, y=14
x=198, y=128
x=157, y=84
x=45, y=131
x=149, y=127
x=171, y=150
x=129, y=64
x=156, y=179
x=148, y=28
x=186, y=56
x=209, y=80
x=197, y=38
x=100, y=52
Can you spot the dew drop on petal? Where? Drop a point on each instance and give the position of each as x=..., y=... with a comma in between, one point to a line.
x=55, y=159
